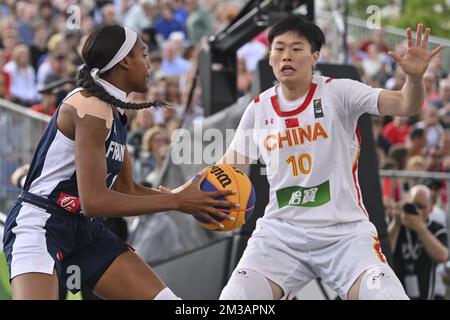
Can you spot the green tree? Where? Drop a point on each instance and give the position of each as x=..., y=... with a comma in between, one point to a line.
x=432, y=13
x=358, y=8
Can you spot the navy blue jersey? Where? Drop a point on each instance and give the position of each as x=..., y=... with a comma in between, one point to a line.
x=52, y=172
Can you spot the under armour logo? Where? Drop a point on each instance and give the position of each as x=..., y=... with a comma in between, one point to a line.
x=267, y=121
x=241, y=273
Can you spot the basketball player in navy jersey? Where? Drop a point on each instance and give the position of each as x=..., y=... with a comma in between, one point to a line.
x=82, y=171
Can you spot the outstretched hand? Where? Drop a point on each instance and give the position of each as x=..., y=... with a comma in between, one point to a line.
x=416, y=58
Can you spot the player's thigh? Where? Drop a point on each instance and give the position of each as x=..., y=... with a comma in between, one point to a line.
x=35, y=286
x=341, y=263
x=276, y=265
x=128, y=277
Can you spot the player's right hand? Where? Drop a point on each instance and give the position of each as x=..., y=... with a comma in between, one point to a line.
x=192, y=200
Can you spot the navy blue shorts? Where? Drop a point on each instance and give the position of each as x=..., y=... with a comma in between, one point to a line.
x=39, y=236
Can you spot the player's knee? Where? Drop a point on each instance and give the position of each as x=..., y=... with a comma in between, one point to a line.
x=247, y=284
x=381, y=283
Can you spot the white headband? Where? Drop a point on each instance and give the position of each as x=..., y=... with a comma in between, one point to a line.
x=130, y=40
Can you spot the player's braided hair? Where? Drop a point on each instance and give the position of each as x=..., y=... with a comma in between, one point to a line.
x=99, y=48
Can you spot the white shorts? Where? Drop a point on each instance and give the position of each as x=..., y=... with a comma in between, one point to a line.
x=337, y=254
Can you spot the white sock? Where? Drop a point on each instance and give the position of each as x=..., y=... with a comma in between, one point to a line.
x=166, y=294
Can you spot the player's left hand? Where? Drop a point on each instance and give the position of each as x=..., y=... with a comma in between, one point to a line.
x=416, y=58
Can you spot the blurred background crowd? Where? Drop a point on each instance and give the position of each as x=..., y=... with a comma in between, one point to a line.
x=39, y=48
x=40, y=53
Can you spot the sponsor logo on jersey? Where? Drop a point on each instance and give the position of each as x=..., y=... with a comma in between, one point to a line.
x=116, y=151
x=294, y=137
x=297, y=196
x=318, y=111
x=68, y=202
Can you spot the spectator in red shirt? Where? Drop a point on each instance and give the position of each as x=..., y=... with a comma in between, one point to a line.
x=378, y=40
x=397, y=131
x=5, y=80
x=3, y=86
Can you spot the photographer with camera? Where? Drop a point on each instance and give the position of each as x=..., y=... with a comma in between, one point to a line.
x=418, y=244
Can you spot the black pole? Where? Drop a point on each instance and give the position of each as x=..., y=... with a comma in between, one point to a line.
x=345, y=31
x=188, y=106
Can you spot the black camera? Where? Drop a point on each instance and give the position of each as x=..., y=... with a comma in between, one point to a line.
x=410, y=208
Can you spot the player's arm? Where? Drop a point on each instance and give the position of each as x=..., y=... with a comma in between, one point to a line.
x=99, y=201
x=409, y=100
x=405, y=102
x=234, y=158
x=96, y=198
x=243, y=150
x=125, y=182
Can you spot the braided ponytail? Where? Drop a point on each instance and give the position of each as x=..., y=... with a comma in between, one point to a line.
x=99, y=48
x=85, y=80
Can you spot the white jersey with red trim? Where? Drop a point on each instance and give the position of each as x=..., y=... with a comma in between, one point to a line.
x=311, y=149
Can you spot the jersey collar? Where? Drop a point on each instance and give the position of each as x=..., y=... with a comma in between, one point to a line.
x=301, y=108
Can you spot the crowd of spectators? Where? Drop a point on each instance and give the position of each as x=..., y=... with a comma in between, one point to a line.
x=41, y=43
x=40, y=54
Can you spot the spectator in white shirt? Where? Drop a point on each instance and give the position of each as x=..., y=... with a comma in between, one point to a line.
x=141, y=15
x=23, y=76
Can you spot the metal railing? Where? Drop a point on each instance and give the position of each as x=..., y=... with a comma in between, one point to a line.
x=417, y=176
x=20, y=131
x=357, y=28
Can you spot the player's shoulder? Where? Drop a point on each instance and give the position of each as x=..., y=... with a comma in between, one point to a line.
x=338, y=87
x=264, y=96
x=84, y=100
x=85, y=103
x=85, y=96
x=331, y=82
x=322, y=80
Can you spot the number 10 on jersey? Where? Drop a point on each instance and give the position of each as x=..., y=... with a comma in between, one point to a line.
x=302, y=164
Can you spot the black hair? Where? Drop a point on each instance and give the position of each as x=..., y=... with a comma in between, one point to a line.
x=417, y=133
x=301, y=26
x=432, y=183
x=100, y=47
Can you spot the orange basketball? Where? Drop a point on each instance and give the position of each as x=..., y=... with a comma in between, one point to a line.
x=226, y=177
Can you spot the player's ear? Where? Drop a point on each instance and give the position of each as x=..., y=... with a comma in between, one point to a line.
x=125, y=63
x=315, y=57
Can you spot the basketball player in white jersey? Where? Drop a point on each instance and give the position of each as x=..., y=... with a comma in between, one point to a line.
x=304, y=129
